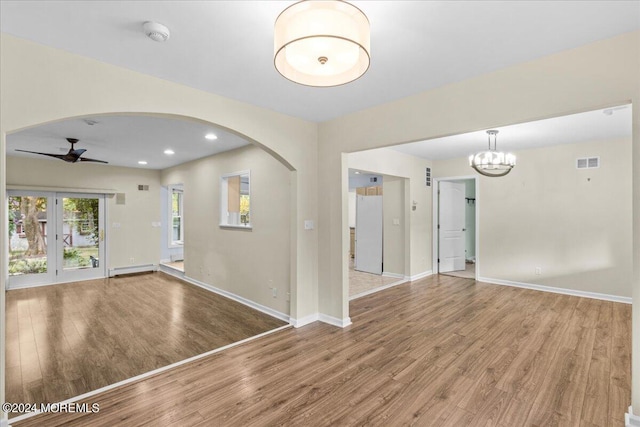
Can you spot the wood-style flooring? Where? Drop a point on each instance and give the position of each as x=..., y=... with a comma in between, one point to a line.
x=441, y=351
x=65, y=340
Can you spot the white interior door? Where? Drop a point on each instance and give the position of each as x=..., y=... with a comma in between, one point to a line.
x=451, y=236
x=369, y=234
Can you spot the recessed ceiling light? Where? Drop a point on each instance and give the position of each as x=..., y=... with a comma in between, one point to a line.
x=169, y=152
x=211, y=136
x=142, y=162
x=357, y=172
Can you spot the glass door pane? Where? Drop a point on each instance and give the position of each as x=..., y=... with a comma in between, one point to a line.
x=80, y=237
x=30, y=261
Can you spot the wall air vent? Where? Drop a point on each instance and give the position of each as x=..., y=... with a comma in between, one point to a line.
x=588, y=162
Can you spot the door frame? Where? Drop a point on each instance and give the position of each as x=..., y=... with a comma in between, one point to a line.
x=52, y=223
x=83, y=274
x=436, y=213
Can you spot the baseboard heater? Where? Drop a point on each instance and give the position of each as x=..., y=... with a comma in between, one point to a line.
x=132, y=269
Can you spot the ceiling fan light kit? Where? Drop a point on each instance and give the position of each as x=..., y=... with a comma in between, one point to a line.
x=492, y=163
x=322, y=43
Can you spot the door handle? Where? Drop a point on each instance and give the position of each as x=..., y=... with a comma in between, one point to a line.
x=102, y=235
x=464, y=229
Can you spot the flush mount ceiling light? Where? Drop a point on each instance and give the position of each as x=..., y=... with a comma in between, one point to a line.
x=169, y=152
x=492, y=162
x=322, y=43
x=211, y=136
x=142, y=162
x=156, y=31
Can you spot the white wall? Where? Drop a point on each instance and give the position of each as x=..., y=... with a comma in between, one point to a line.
x=135, y=237
x=573, y=224
x=246, y=263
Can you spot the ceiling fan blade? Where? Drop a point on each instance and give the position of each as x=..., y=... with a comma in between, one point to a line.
x=57, y=156
x=86, y=159
x=77, y=152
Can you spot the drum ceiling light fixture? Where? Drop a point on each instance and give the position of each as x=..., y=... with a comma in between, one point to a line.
x=492, y=162
x=322, y=43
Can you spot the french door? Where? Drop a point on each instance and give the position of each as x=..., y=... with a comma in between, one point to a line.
x=55, y=238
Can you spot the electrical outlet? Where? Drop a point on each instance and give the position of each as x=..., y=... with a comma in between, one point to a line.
x=538, y=271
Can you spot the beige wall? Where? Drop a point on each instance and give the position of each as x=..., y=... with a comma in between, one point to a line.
x=246, y=263
x=393, y=208
x=573, y=224
x=136, y=237
x=589, y=77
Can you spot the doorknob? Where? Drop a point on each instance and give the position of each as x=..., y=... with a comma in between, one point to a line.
x=464, y=229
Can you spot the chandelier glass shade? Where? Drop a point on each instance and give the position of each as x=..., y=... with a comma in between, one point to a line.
x=492, y=162
x=322, y=43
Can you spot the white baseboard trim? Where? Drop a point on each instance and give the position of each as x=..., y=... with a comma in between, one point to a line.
x=381, y=288
x=132, y=269
x=4, y=423
x=631, y=420
x=150, y=373
x=171, y=271
x=298, y=323
x=419, y=275
x=267, y=310
x=341, y=323
x=564, y=291
x=393, y=275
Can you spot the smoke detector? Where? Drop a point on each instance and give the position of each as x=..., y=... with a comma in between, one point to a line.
x=156, y=31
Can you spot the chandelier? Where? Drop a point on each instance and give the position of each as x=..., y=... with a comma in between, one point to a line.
x=492, y=162
x=322, y=43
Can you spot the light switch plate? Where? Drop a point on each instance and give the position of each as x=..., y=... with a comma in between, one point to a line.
x=308, y=224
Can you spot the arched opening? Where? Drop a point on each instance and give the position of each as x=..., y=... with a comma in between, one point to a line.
x=251, y=265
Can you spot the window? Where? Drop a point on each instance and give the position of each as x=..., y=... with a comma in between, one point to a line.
x=235, y=200
x=176, y=220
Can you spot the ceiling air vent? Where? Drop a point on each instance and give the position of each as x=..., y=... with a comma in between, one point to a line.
x=588, y=162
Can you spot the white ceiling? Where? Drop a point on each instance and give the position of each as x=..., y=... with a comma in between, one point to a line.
x=226, y=47
x=125, y=140
x=574, y=128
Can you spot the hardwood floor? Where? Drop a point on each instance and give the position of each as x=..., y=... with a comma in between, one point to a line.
x=442, y=351
x=65, y=340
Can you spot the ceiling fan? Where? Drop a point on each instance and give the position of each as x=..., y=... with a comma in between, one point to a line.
x=72, y=156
